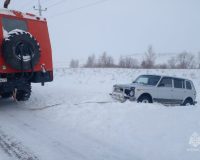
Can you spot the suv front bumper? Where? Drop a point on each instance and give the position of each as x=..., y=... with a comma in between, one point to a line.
x=120, y=96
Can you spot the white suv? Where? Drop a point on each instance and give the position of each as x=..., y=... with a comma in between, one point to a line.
x=156, y=88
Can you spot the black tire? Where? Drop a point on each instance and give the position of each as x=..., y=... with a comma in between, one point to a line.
x=24, y=95
x=20, y=44
x=145, y=99
x=6, y=95
x=188, y=102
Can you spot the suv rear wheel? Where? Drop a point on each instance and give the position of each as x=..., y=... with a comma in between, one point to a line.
x=188, y=102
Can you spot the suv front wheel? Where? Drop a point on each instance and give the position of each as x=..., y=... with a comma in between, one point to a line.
x=188, y=102
x=145, y=99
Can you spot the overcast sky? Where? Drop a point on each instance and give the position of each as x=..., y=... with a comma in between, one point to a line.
x=119, y=27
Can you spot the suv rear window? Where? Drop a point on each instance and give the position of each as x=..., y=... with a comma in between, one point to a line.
x=179, y=83
x=10, y=24
x=188, y=85
x=166, y=82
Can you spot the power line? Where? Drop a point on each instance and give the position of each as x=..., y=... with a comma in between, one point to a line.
x=39, y=9
x=81, y=7
x=57, y=3
x=25, y=4
x=48, y=1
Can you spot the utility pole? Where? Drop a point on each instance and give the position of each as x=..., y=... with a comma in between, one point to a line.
x=39, y=9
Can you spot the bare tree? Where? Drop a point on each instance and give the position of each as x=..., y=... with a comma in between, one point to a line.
x=91, y=62
x=122, y=63
x=128, y=62
x=185, y=60
x=149, y=59
x=102, y=62
x=172, y=63
x=162, y=66
x=74, y=63
x=105, y=61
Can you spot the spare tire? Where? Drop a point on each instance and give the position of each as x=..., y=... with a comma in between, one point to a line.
x=21, y=50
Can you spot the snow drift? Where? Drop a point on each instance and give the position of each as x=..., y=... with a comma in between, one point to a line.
x=75, y=118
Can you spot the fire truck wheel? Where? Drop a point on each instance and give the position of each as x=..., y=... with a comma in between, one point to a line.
x=24, y=94
x=6, y=95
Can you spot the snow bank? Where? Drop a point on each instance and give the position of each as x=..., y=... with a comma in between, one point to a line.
x=75, y=118
x=122, y=131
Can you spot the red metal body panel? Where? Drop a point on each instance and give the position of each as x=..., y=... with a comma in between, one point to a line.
x=38, y=28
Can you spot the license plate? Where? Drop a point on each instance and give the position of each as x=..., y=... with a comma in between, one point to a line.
x=117, y=95
x=3, y=80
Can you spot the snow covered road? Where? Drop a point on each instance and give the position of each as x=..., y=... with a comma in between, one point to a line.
x=74, y=118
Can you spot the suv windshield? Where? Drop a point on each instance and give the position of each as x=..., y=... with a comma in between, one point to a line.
x=148, y=80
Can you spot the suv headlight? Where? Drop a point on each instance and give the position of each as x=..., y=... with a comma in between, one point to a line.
x=130, y=92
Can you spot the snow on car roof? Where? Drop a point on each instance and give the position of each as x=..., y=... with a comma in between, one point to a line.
x=20, y=14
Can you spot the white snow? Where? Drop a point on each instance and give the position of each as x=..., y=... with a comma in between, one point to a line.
x=6, y=12
x=15, y=31
x=75, y=118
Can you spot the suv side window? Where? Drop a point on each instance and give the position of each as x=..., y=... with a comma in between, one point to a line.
x=166, y=82
x=10, y=24
x=188, y=85
x=179, y=83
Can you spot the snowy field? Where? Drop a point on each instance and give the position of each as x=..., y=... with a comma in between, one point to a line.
x=74, y=118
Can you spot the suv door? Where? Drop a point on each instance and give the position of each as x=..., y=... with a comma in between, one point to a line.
x=164, y=90
x=178, y=91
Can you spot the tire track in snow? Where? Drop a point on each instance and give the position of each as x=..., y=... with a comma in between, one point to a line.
x=93, y=102
x=15, y=149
